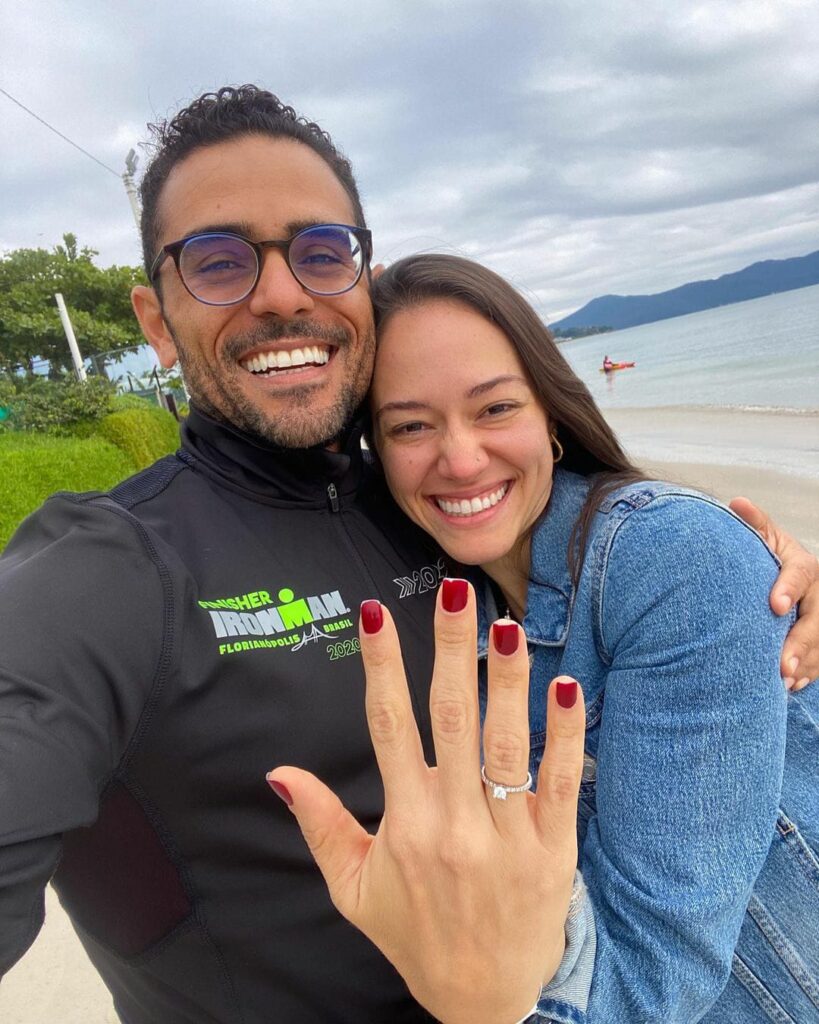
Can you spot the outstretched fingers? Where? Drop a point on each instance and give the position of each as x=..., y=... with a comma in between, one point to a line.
x=506, y=728
x=561, y=768
x=453, y=700
x=390, y=716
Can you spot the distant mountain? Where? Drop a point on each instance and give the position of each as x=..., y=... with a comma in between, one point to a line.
x=765, y=278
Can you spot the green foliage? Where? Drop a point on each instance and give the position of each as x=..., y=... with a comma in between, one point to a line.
x=98, y=301
x=34, y=466
x=129, y=401
x=144, y=435
x=64, y=407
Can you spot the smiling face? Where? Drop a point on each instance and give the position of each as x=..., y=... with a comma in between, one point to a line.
x=463, y=440
x=283, y=364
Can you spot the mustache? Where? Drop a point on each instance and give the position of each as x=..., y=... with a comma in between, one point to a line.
x=240, y=344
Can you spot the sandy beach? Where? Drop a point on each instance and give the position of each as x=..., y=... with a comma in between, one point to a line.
x=770, y=457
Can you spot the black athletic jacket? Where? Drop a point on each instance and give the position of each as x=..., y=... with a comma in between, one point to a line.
x=161, y=647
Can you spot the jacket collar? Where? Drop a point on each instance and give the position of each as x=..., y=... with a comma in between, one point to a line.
x=551, y=592
x=267, y=471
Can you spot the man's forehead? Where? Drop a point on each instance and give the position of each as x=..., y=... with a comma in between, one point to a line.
x=256, y=185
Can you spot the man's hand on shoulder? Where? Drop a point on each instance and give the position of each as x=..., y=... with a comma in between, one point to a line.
x=798, y=583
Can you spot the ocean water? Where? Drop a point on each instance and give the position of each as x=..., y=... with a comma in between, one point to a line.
x=760, y=354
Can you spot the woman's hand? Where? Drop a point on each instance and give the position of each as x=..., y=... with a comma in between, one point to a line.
x=465, y=893
x=798, y=582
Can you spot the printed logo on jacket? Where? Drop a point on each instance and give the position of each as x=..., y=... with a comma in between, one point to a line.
x=259, y=620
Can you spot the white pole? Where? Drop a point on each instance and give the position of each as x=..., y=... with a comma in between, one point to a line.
x=72, y=341
x=128, y=178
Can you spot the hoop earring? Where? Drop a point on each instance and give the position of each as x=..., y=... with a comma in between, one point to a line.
x=558, y=455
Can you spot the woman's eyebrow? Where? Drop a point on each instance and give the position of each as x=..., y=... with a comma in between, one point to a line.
x=489, y=385
x=408, y=406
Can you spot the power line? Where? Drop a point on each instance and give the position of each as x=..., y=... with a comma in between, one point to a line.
x=53, y=129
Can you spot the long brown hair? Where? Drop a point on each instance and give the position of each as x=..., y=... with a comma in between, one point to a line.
x=590, y=447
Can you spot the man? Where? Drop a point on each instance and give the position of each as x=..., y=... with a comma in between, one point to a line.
x=162, y=646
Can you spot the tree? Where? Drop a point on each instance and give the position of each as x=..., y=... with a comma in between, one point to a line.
x=97, y=299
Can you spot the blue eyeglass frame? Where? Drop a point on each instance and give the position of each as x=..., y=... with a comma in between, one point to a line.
x=174, y=250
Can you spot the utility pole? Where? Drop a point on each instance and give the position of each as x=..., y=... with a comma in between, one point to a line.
x=131, y=162
x=76, y=358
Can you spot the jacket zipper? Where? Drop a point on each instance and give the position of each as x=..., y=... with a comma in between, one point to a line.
x=334, y=504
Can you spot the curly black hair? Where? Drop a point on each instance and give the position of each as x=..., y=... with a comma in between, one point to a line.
x=217, y=117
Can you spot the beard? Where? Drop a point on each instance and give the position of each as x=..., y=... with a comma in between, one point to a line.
x=305, y=417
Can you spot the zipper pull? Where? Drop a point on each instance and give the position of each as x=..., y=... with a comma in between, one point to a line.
x=332, y=495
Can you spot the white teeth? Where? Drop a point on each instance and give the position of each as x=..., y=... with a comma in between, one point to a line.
x=466, y=507
x=310, y=355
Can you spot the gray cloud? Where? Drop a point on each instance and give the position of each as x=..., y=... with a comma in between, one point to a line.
x=579, y=149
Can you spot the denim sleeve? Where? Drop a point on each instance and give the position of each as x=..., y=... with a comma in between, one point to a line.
x=566, y=996
x=690, y=756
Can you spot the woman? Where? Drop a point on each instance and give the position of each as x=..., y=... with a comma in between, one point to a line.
x=654, y=597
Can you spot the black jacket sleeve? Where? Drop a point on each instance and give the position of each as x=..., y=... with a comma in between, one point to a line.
x=83, y=624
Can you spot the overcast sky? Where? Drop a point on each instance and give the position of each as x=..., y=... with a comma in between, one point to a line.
x=580, y=148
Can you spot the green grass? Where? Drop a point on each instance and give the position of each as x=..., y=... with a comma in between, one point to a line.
x=93, y=456
x=33, y=466
x=144, y=434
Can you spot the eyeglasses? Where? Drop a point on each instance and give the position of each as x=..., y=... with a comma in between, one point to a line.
x=221, y=268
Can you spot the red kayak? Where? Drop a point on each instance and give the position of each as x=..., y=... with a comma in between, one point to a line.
x=616, y=366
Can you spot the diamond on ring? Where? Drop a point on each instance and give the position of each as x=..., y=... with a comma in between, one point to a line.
x=497, y=789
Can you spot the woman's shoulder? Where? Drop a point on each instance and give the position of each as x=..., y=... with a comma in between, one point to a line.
x=660, y=513
x=629, y=497
x=666, y=563
x=651, y=527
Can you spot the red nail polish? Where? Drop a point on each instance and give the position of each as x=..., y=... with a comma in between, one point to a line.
x=566, y=694
x=372, y=616
x=281, y=791
x=505, y=637
x=454, y=594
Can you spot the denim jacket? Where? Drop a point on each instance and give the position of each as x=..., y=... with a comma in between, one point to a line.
x=701, y=896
